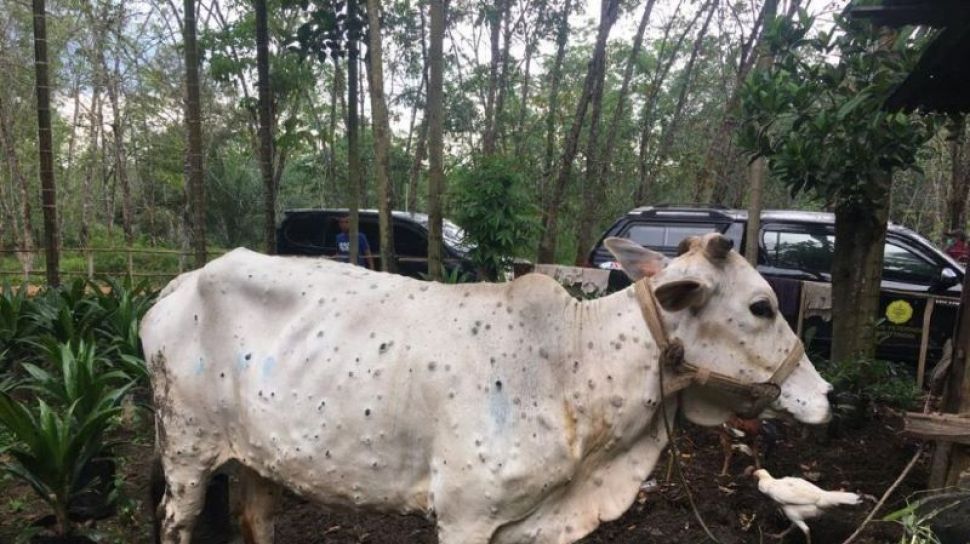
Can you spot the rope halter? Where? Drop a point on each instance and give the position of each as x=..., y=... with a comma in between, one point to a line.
x=753, y=397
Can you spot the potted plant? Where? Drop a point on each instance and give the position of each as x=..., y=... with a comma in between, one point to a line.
x=51, y=450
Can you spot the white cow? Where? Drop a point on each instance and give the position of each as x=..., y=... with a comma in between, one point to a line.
x=509, y=412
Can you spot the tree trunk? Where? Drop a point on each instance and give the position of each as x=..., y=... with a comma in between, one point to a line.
x=618, y=111
x=597, y=65
x=336, y=92
x=120, y=155
x=758, y=169
x=265, y=127
x=524, y=102
x=353, y=140
x=495, y=16
x=498, y=115
x=45, y=145
x=75, y=114
x=193, y=122
x=26, y=253
x=420, y=151
x=593, y=190
x=382, y=135
x=756, y=190
x=956, y=199
x=87, y=185
x=594, y=181
x=421, y=148
x=436, y=174
x=860, y=236
x=562, y=36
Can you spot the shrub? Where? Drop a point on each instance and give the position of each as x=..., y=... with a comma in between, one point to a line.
x=865, y=381
x=490, y=202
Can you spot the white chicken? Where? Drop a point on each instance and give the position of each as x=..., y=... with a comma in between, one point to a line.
x=801, y=500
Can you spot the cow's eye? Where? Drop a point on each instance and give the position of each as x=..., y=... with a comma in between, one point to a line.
x=762, y=308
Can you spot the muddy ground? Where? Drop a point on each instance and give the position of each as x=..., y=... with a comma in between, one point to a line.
x=864, y=457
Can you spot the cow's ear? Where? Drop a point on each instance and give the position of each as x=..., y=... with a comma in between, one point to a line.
x=636, y=260
x=677, y=295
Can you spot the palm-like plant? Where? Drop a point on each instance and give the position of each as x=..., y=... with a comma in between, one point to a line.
x=123, y=307
x=80, y=380
x=68, y=313
x=52, y=449
x=17, y=326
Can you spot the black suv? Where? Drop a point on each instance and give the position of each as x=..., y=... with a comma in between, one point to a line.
x=313, y=232
x=798, y=245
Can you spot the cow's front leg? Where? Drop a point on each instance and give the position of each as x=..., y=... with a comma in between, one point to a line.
x=258, y=497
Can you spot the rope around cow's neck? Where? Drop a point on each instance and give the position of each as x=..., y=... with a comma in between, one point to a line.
x=673, y=350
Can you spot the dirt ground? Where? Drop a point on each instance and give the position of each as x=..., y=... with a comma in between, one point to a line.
x=865, y=459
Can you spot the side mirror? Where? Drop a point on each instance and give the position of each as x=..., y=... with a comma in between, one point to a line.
x=948, y=278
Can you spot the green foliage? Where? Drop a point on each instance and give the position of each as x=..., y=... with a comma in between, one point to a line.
x=17, y=329
x=453, y=276
x=861, y=382
x=820, y=123
x=80, y=379
x=328, y=28
x=53, y=446
x=916, y=520
x=490, y=202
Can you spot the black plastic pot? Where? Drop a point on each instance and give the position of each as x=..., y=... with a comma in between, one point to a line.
x=95, y=503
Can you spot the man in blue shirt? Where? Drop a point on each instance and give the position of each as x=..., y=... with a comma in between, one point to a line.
x=343, y=244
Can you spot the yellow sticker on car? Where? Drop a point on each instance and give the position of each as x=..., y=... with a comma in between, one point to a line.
x=899, y=312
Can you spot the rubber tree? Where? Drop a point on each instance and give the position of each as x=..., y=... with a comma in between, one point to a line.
x=265, y=126
x=382, y=133
x=45, y=145
x=195, y=186
x=435, y=116
x=552, y=111
x=820, y=126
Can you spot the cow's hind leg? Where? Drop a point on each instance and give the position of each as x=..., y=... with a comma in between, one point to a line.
x=184, y=498
x=258, y=497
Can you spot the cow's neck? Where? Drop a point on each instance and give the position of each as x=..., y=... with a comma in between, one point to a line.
x=619, y=377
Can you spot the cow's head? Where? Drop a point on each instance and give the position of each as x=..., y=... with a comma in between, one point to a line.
x=727, y=316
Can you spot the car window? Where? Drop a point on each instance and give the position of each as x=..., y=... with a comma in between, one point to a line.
x=304, y=231
x=805, y=251
x=667, y=236
x=408, y=242
x=902, y=264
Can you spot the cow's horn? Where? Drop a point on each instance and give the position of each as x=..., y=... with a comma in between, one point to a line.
x=687, y=244
x=718, y=247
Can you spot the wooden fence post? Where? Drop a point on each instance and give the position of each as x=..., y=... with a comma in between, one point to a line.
x=952, y=460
